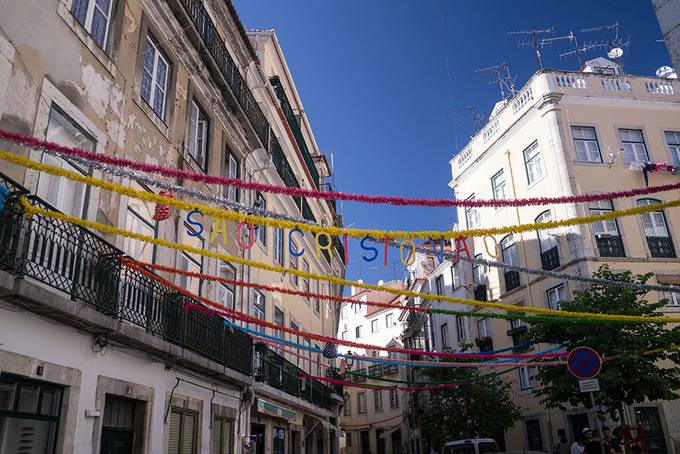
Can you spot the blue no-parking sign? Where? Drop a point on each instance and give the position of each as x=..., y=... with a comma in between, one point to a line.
x=584, y=363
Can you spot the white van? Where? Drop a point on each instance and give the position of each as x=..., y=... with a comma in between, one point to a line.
x=471, y=446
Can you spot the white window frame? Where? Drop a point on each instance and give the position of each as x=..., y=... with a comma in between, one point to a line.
x=533, y=163
x=89, y=18
x=632, y=148
x=259, y=309
x=361, y=403
x=587, y=153
x=388, y=321
x=561, y=292
x=546, y=239
x=526, y=381
x=374, y=326
x=279, y=243
x=653, y=220
x=460, y=329
x=347, y=409
x=199, y=127
x=294, y=262
x=509, y=245
x=233, y=171
x=359, y=332
x=673, y=299
x=444, y=331
x=483, y=328
x=159, y=57
x=394, y=398
x=498, y=184
x=471, y=215
x=673, y=144
x=344, y=335
x=377, y=400
x=439, y=285
x=603, y=228
x=225, y=288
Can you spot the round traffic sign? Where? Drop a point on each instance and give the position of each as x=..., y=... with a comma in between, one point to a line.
x=584, y=363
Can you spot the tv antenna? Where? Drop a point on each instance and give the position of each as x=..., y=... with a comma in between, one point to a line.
x=614, y=45
x=534, y=41
x=474, y=116
x=503, y=77
x=578, y=50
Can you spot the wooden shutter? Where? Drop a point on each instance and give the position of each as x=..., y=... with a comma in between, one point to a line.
x=188, y=434
x=175, y=431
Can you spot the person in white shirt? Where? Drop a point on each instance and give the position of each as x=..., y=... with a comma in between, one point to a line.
x=578, y=446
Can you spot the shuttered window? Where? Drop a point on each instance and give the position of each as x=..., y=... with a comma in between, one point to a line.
x=182, y=437
x=222, y=436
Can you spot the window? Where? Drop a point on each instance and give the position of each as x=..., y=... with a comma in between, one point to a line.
x=223, y=430
x=633, y=144
x=139, y=220
x=361, y=403
x=439, y=284
x=279, y=321
x=317, y=301
x=533, y=161
x=308, y=354
x=260, y=230
x=483, y=328
x=95, y=16
x=388, y=321
x=510, y=257
x=394, y=398
x=278, y=246
x=226, y=293
x=478, y=271
x=259, y=308
x=377, y=400
x=656, y=230
x=534, y=435
x=155, y=77
x=607, y=237
x=471, y=215
x=182, y=434
x=191, y=262
x=198, y=135
x=673, y=299
x=233, y=168
x=673, y=141
x=585, y=144
x=119, y=418
x=64, y=194
x=358, y=331
x=347, y=409
x=444, y=329
x=318, y=360
x=305, y=280
x=374, y=326
x=526, y=380
x=555, y=296
x=344, y=335
x=294, y=326
x=349, y=439
x=460, y=328
x=279, y=440
x=294, y=263
x=455, y=278
x=498, y=185
x=547, y=243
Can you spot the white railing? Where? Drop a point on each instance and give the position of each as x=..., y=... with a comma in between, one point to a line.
x=489, y=131
x=616, y=84
x=524, y=97
x=660, y=87
x=571, y=81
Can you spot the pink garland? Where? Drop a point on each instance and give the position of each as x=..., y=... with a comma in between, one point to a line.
x=34, y=142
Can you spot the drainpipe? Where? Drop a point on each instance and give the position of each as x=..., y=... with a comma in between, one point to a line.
x=521, y=237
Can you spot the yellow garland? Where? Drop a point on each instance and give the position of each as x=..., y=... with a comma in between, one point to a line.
x=331, y=230
x=31, y=210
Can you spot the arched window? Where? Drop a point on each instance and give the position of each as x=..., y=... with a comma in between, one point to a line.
x=550, y=257
x=656, y=230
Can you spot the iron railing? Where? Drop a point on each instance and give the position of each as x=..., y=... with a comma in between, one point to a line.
x=550, y=259
x=295, y=128
x=276, y=371
x=485, y=344
x=661, y=246
x=610, y=246
x=217, y=49
x=480, y=292
x=511, y=280
x=84, y=266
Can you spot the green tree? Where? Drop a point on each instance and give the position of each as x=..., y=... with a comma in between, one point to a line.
x=628, y=374
x=482, y=407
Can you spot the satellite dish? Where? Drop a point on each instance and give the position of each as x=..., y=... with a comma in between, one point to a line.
x=664, y=72
x=616, y=52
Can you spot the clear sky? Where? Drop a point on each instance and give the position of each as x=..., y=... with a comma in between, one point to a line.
x=372, y=77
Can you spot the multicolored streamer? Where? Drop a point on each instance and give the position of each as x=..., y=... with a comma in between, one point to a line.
x=329, y=230
x=33, y=210
x=34, y=142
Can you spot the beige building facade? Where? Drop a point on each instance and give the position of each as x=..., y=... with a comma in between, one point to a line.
x=181, y=84
x=567, y=133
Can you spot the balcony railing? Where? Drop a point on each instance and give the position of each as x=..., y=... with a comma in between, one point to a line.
x=295, y=128
x=661, y=246
x=550, y=259
x=485, y=344
x=228, y=69
x=360, y=375
x=511, y=280
x=390, y=369
x=79, y=263
x=276, y=371
x=480, y=292
x=610, y=246
x=518, y=335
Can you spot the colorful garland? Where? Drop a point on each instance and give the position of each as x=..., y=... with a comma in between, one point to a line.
x=32, y=210
x=330, y=230
x=34, y=142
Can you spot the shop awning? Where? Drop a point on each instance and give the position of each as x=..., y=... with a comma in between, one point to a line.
x=269, y=408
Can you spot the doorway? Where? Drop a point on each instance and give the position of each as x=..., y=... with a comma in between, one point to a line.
x=380, y=440
x=650, y=420
x=118, y=426
x=364, y=442
x=396, y=442
x=258, y=430
x=578, y=422
x=294, y=442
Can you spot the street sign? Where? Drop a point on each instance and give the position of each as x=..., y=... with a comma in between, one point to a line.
x=589, y=386
x=584, y=363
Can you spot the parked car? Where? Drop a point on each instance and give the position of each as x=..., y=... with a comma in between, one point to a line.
x=470, y=446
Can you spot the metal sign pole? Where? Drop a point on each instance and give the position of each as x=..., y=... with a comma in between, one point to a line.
x=598, y=425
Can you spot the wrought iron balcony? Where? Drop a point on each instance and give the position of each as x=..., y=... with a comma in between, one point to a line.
x=276, y=371
x=294, y=125
x=485, y=344
x=480, y=292
x=661, y=246
x=550, y=259
x=610, y=246
x=390, y=369
x=511, y=280
x=84, y=266
x=216, y=52
x=518, y=335
x=360, y=375
x=376, y=370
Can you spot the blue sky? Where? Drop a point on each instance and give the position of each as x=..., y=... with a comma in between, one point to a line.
x=373, y=80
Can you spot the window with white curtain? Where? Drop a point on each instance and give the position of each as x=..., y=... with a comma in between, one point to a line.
x=633, y=143
x=533, y=162
x=585, y=144
x=198, y=134
x=95, y=16
x=673, y=142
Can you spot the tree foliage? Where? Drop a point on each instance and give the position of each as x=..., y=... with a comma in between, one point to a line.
x=483, y=407
x=628, y=375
